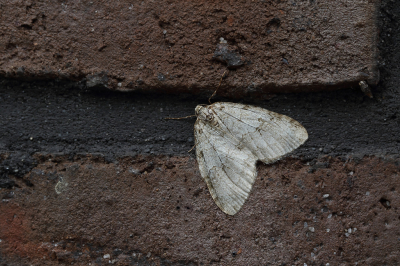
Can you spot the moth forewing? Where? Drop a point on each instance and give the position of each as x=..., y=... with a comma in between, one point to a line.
x=231, y=138
x=267, y=134
x=228, y=171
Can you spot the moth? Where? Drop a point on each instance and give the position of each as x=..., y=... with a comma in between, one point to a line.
x=230, y=138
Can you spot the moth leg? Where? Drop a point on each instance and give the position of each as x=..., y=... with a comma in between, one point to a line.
x=192, y=148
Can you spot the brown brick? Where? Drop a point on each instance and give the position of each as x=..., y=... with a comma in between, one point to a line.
x=168, y=46
x=158, y=209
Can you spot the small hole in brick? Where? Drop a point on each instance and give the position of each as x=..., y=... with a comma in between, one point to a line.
x=385, y=203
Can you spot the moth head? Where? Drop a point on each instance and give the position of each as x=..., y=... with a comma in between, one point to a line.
x=203, y=113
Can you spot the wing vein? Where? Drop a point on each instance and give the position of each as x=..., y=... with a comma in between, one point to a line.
x=223, y=165
x=282, y=151
x=294, y=144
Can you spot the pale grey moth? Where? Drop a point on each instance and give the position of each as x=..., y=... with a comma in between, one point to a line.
x=231, y=138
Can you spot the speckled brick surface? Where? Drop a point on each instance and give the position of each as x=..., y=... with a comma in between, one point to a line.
x=158, y=211
x=172, y=46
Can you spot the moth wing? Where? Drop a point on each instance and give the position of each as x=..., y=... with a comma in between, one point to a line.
x=228, y=167
x=267, y=134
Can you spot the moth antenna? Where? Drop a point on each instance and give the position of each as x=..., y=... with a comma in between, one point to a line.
x=178, y=118
x=215, y=92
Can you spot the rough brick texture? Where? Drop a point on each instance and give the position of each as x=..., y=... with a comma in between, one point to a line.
x=158, y=211
x=274, y=46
